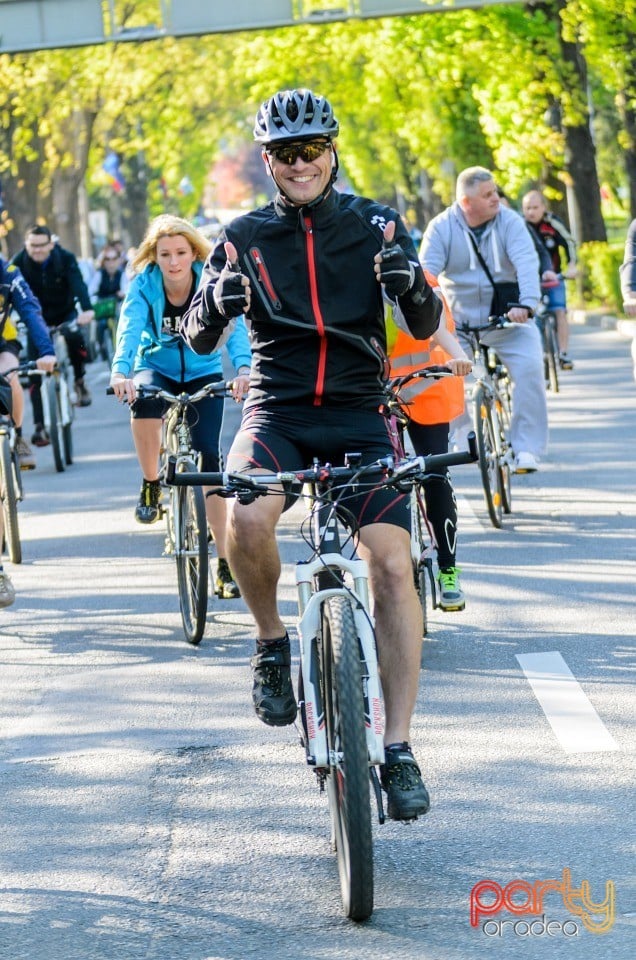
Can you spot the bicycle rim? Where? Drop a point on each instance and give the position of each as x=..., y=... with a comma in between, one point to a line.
x=191, y=554
x=348, y=777
x=56, y=431
x=9, y=502
x=488, y=460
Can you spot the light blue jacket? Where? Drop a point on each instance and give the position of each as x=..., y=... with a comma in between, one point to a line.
x=143, y=344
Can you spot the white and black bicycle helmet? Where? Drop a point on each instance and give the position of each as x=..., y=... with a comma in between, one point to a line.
x=294, y=115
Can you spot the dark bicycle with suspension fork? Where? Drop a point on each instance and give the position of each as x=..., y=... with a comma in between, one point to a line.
x=186, y=521
x=339, y=689
x=545, y=319
x=492, y=412
x=423, y=545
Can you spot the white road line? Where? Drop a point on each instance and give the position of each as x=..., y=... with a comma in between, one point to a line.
x=576, y=724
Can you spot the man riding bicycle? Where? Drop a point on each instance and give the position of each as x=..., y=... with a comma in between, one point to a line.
x=309, y=271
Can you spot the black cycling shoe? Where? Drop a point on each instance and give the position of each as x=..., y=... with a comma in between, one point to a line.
x=272, y=693
x=148, y=509
x=407, y=797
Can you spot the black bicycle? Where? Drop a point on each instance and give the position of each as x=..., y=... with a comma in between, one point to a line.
x=11, y=490
x=423, y=546
x=545, y=318
x=186, y=522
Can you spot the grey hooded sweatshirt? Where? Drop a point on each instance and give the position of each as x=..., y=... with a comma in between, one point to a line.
x=505, y=245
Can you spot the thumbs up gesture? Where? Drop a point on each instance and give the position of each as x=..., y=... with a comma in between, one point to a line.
x=232, y=292
x=392, y=266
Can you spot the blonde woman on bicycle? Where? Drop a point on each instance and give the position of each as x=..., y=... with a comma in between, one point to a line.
x=150, y=351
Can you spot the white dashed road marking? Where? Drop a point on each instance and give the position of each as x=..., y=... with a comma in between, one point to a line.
x=576, y=724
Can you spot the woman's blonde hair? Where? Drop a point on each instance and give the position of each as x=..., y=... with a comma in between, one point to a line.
x=169, y=226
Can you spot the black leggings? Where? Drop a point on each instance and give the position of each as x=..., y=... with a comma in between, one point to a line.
x=439, y=496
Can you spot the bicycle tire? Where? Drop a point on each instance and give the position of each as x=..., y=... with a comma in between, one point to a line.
x=67, y=437
x=9, y=502
x=348, y=777
x=191, y=555
x=505, y=459
x=420, y=562
x=488, y=460
x=56, y=429
x=552, y=352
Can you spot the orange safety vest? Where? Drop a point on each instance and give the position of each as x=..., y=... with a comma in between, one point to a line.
x=429, y=401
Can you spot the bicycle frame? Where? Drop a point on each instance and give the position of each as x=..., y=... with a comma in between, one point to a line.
x=312, y=594
x=492, y=412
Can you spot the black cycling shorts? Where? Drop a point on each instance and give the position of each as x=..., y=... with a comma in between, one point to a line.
x=275, y=438
x=205, y=416
x=10, y=346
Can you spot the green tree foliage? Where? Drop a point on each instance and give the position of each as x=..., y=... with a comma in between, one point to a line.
x=418, y=99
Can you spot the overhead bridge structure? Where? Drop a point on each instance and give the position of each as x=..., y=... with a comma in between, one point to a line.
x=27, y=25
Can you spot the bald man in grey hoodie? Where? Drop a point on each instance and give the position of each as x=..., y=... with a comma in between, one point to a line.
x=478, y=222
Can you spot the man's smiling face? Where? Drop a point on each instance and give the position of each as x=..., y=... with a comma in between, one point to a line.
x=302, y=180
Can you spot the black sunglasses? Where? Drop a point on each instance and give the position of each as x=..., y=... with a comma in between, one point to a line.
x=308, y=151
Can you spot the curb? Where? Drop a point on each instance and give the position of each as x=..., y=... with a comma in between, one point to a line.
x=607, y=321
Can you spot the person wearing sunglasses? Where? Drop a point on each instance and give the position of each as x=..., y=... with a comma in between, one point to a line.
x=310, y=271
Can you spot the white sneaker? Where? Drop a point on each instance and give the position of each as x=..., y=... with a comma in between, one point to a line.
x=526, y=462
x=7, y=593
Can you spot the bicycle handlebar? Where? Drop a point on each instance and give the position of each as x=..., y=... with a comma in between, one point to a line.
x=434, y=372
x=412, y=468
x=219, y=388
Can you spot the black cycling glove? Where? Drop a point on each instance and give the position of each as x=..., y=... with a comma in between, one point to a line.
x=230, y=295
x=397, y=273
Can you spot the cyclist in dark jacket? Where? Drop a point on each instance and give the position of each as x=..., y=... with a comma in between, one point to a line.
x=309, y=272
x=56, y=280
x=15, y=295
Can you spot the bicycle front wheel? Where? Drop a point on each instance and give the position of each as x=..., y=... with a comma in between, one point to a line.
x=348, y=777
x=488, y=459
x=9, y=502
x=505, y=450
x=56, y=428
x=551, y=347
x=191, y=554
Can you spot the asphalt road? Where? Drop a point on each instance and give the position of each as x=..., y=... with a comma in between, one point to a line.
x=146, y=813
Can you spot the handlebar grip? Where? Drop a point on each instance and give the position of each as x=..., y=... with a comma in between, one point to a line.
x=110, y=391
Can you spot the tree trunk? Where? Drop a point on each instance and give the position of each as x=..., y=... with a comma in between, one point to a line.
x=135, y=210
x=21, y=189
x=67, y=179
x=627, y=112
x=580, y=154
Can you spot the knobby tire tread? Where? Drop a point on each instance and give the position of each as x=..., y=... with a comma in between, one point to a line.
x=348, y=782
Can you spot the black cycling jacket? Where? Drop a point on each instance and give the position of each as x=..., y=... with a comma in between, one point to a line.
x=317, y=312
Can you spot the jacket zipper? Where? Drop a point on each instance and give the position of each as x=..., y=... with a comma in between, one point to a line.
x=264, y=277
x=315, y=305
